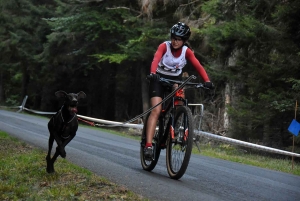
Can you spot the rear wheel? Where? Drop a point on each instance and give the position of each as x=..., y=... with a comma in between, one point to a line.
x=146, y=164
x=180, y=147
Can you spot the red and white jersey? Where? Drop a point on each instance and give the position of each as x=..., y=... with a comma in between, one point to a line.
x=171, y=65
x=170, y=62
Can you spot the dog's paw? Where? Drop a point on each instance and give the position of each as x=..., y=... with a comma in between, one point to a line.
x=63, y=155
x=50, y=167
x=62, y=152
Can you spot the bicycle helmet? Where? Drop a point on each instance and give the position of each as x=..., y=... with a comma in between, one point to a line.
x=181, y=30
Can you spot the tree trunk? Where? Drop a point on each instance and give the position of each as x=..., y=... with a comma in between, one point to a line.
x=227, y=103
x=25, y=80
x=144, y=83
x=266, y=134
x=230, y=92
x=1, y=87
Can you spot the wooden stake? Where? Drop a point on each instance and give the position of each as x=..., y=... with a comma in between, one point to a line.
x=294, y=138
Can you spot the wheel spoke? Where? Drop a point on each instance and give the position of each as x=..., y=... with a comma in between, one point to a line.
x=179, y=148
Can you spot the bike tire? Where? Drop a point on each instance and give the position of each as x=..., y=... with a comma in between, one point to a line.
x=179, y=149
x=146, y=164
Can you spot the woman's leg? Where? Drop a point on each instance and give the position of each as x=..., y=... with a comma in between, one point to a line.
x=152, y=120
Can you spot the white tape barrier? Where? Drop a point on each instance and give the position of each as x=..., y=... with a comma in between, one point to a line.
x=197, y=132
x=138, y=126
x=38, y=112
x=202, y=133
x=245, y=144
x=102, y=121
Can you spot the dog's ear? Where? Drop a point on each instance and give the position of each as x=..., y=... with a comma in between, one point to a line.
x=60, y=94
x=81, y=94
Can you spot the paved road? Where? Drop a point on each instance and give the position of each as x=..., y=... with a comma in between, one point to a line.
x=117, y=158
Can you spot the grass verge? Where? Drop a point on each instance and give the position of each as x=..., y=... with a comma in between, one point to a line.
x=250, y=157
x=23, y=177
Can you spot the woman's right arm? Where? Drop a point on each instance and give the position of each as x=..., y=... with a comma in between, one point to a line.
x=161, y=50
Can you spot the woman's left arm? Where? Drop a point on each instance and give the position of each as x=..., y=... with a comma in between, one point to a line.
x=190, y=56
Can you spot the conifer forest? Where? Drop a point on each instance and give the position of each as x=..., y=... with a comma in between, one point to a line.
x=249, y=48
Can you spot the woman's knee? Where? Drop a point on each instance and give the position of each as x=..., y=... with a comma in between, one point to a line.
x=155, y=113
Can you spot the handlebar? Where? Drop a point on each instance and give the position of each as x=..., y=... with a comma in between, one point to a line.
x=171, y=82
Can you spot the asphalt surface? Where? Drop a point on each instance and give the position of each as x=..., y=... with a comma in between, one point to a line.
x=117, y=159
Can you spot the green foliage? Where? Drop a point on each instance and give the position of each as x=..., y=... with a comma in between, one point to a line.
x=21, y=39
x=12, y=100
x=77, y=45
x=112, y=58
x=260, y=39
x=213, y=8
x=146, y=43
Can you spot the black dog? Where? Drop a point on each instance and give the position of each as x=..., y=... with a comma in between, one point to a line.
x=63, y=126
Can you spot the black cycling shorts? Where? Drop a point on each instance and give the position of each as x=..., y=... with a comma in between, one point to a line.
x=156, y=89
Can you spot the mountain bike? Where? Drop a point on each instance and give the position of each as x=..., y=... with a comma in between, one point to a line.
x=174, y=131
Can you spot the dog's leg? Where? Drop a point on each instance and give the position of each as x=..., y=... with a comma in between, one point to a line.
x=50, y=167
x=50, y=145
x=50, y=163
x=62, y=151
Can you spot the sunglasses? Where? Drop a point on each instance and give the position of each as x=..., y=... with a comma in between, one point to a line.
x=176, y=39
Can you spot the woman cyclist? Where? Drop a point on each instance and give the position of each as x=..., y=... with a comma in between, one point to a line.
x=169, y=59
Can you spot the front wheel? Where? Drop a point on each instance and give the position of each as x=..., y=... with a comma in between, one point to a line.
x=147, y=164
x=180, y=145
